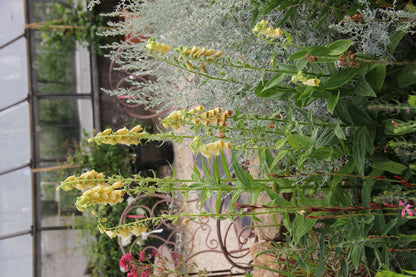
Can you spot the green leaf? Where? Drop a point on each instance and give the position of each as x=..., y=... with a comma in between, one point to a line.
x=326, y=137
x=196, y=176
x=270, y=6
x=302, y=227
x=363, y=88
x=196, y=186
x=341, y=110
x=340, y=46
x=291, y=139
x=216, y=170
x=324, y=15
x=268, y=157
x=288, y=13
x=375, y=76
x=321, y=266
x=260, y=90
x=388, y=226
x=203, y=196
x=280, y=202
x=279, y=143
x=319, y=51
x=300, y=263
x=278, y=157
x=234, y=199
x=344, y=268
x=289, y=38
x=243, y=176
x=306, y=97
x=389, y=166
x=407, y=76
x=368, y=188
x=332, y=101
x=207, y=173
x=339, y=132
x=341, y=78
x=224, y=165
x=356, y=253
x=298, y=55
x=300, y=64
x=286, y=67
x=275, y=80
x=395, y=38
x=255, y=218
x=218, y=202
x=359, y=148
x=283, y=92
x=254, y=18
x=287, y=3
x=353, y=114
x=271, y=193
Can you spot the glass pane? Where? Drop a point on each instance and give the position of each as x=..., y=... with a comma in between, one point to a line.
x=62, y=254
x=53, y=67
x=15, y=202
x=13, y=73
x=16, y=256
x=53, y=63
x=14, y=137
x=61, y=121
x=12, y=19
x=58, y=123
x=56, y=205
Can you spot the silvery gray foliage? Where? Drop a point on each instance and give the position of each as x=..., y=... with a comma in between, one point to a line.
x=372, y=35
x=222, y=25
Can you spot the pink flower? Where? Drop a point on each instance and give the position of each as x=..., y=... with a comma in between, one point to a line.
x=406, y=209
x=125, y=262
x=141, y=256
x=146, y=272
x=133, y=273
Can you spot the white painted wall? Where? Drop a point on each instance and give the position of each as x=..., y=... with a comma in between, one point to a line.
x=62, y=251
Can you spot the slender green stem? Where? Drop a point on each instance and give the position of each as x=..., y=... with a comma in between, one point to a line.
x=363, y=60
x=252, y=67
x=191, y=70
x=237, y=117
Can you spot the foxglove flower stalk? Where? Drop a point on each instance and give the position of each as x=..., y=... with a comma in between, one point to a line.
x=88, y=179
x=197, y=52
x=196, y=116
x=124, y=231
x=121, y=136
